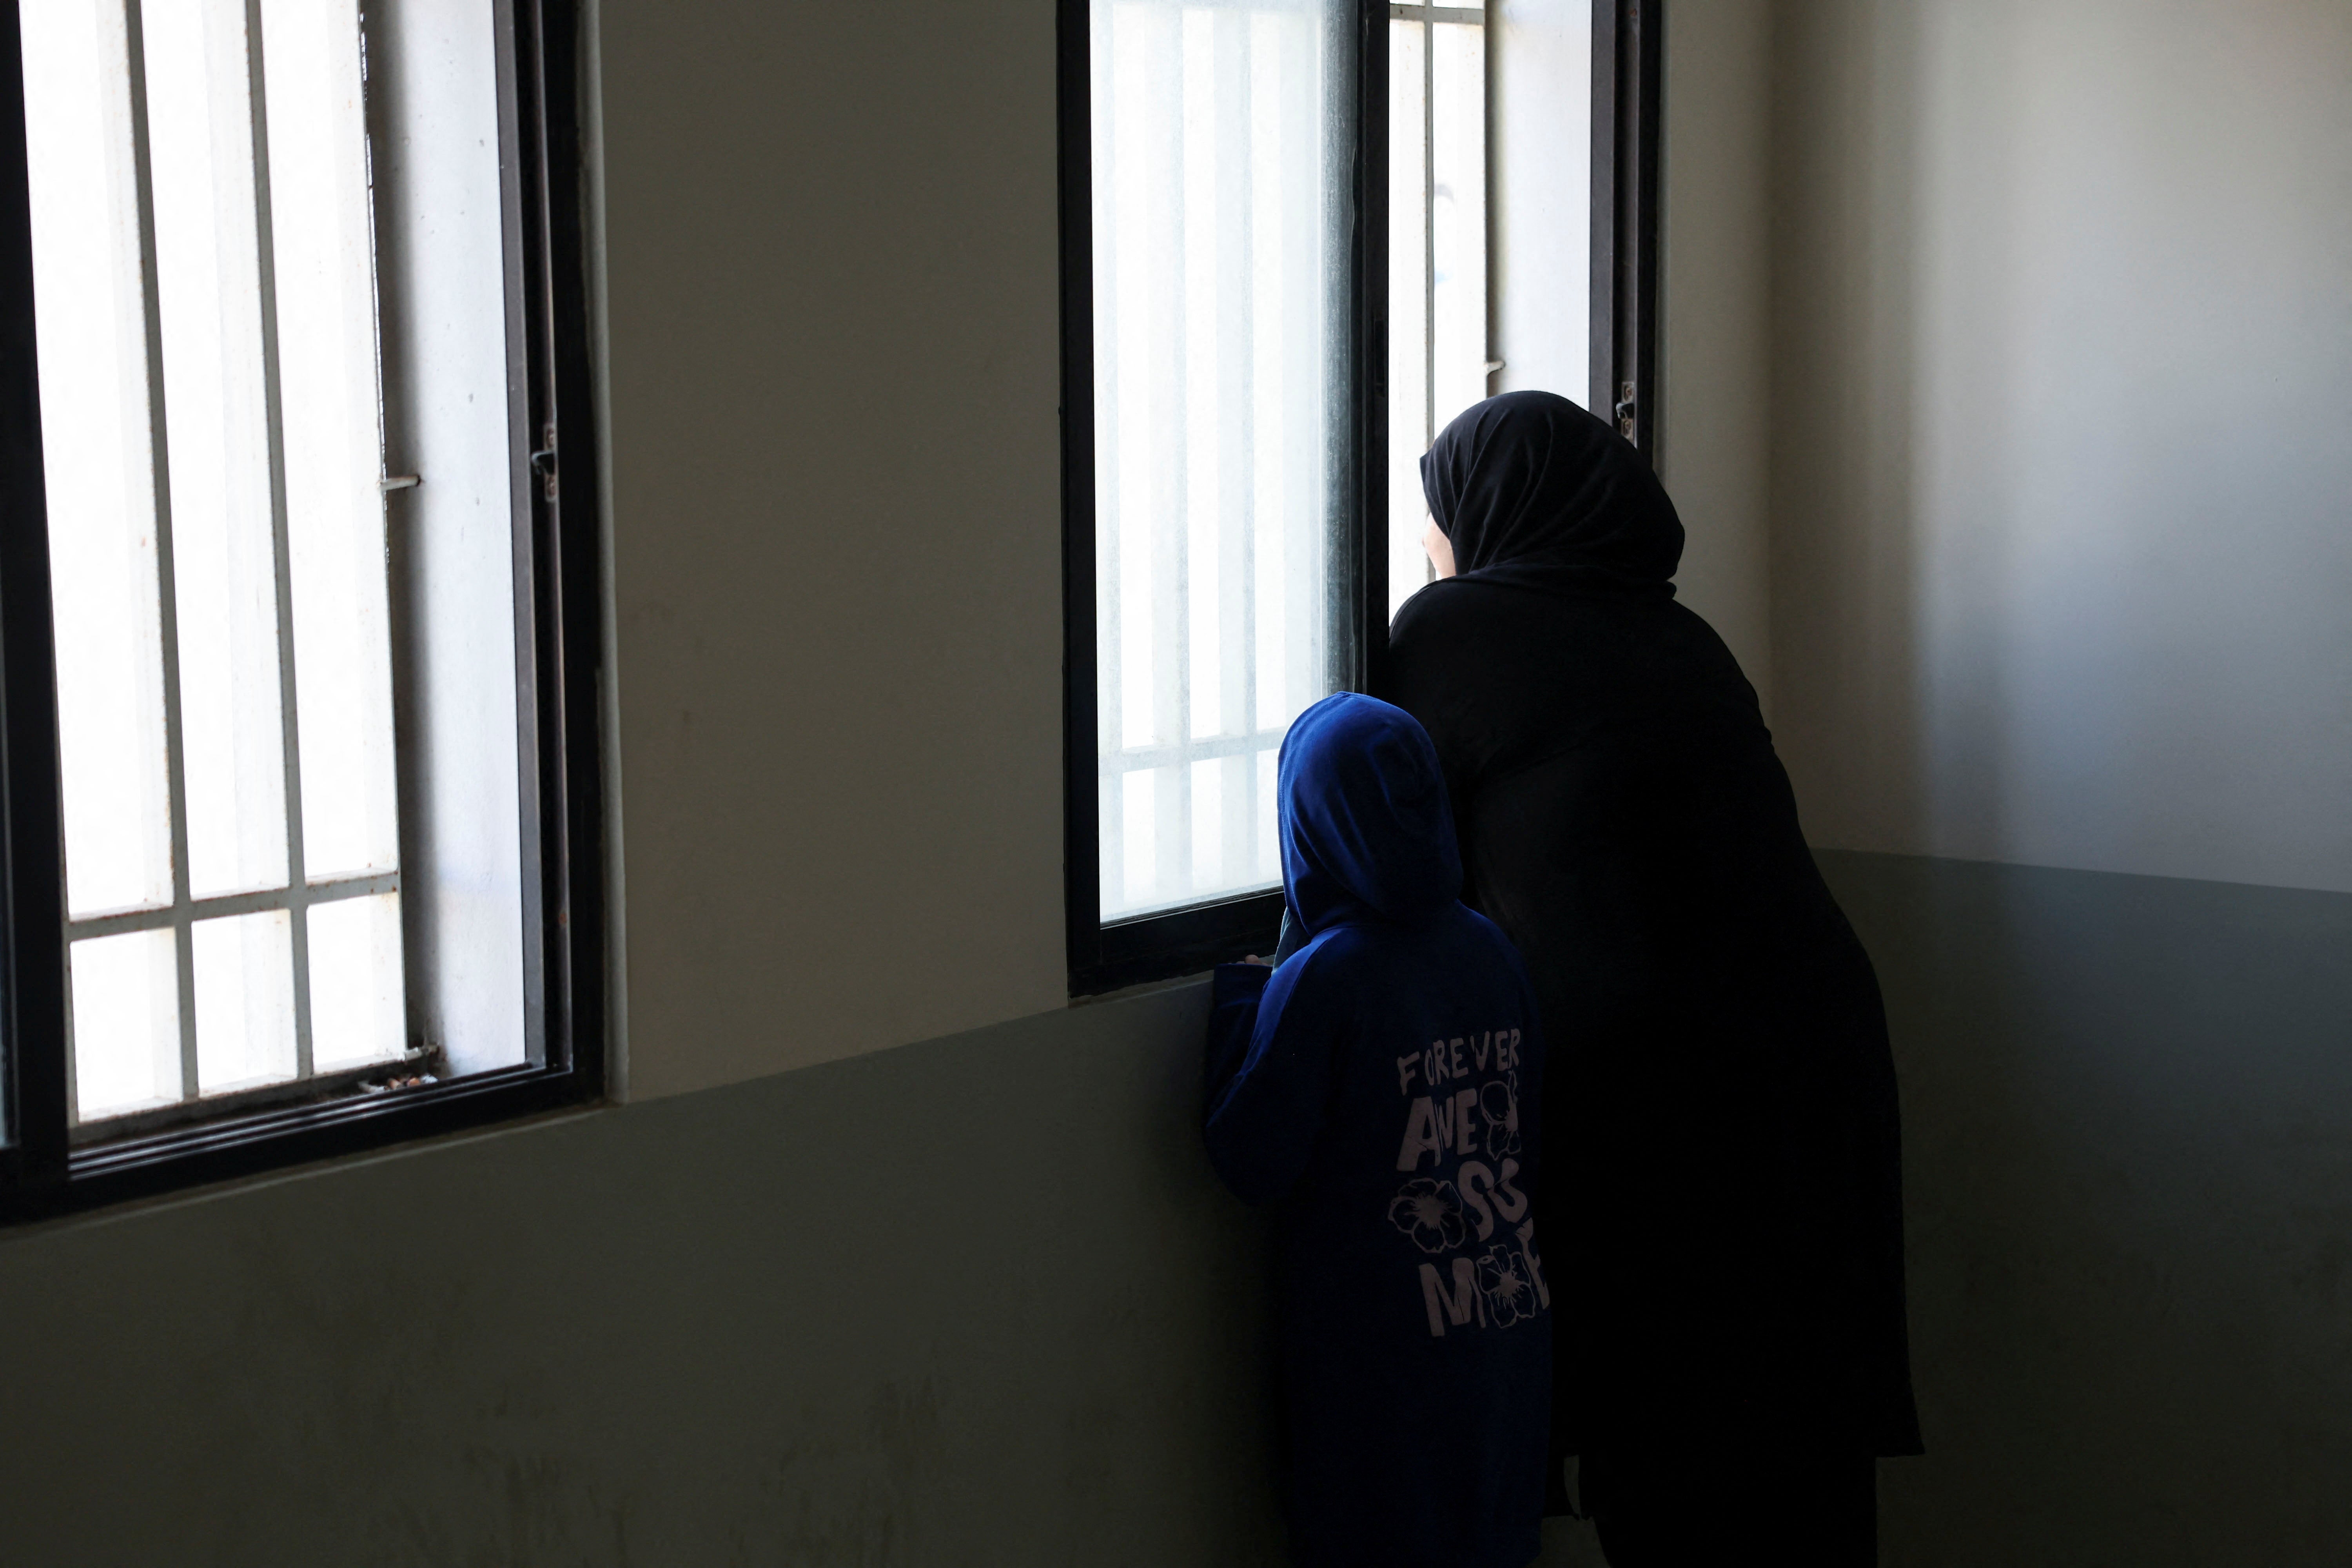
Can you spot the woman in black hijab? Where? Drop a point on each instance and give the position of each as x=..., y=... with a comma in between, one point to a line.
x=1726, y=1170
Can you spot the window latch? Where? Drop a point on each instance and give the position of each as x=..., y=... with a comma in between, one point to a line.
x=1625, y=406
x=543, y=463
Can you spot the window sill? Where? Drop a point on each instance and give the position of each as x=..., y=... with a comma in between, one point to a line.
x=181, y=1159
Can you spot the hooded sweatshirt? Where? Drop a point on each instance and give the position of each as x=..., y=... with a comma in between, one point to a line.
x=1379, y=1089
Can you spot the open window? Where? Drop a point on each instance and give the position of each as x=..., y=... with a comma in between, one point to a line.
x=300, y=786
x=1298, y=237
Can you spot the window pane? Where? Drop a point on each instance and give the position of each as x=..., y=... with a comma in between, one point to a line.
x=91, y=319
x=1541, y=185
x=215, y=429
x=1154, y=812
x=1438, y=336
x=433, y=77
x=208, y=278
x=1409, y=391
x=327, y=377
x=1220, y=176
x=245, y=1001
x=1458, y=218
x=126, y=1023
x=355, y=986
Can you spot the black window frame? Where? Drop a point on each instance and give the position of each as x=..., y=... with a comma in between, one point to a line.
x=1627, y=38
x=42, y=1171
x=1628, y=56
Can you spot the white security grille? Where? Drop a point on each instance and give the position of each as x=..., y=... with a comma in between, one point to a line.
x=212, y=431
x=1220, y=278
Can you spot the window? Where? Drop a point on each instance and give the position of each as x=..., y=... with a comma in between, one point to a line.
x=1298, y=237
x=1221, y=360
x=1438, y=329
x=293, y=310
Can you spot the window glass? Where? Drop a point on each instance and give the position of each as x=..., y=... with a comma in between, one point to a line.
x=1221, y=280
x=1489, y=227
x=1539, y=214
x=324, y=285
x=1409, y=428
x=1438, y=359
x=212, y=287
x=91, y=321
x=220, y=522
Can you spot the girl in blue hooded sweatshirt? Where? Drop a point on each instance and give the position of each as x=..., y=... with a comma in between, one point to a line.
x=1379, y=1087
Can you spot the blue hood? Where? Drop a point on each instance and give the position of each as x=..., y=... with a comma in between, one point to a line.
x=1365, y=825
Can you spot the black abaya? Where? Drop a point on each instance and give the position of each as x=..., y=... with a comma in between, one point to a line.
x=1726, y=1172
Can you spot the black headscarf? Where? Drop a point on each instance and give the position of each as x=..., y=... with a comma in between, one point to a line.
x=1533, y=492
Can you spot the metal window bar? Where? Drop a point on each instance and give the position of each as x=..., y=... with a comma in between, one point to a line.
x=299, y=894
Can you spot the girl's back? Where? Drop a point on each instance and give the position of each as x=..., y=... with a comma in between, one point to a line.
x=1380, y=1087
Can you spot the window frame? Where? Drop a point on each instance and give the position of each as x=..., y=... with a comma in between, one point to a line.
x=42, y=1171
x=1626, y=60
x=1628, y=67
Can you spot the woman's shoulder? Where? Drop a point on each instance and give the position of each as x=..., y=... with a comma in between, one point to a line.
x=1446, y=603
x=1453, y=626
x=1499, y=624
x=1452, y=607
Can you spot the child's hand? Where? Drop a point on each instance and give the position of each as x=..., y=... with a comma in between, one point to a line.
x=1261, y=963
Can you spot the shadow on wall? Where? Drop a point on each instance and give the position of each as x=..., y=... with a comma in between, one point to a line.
x=1844, y=353
x=2128, y=1156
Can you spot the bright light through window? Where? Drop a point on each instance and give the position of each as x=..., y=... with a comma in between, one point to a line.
x=204, y=284
x=1220, y=279
x=1438, y=359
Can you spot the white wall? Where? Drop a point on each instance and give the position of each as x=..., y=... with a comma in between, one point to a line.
x=835, y=499
x=1714, y=337
x=2062, y=377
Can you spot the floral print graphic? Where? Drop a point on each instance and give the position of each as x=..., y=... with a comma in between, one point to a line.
x=1509, y=1290
x=1431, y=1213
x=1499, y=1103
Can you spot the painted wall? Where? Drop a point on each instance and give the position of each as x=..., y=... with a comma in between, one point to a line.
x=2062, y=365
x=831, y=309
x=977, y=1301
x=1714, y=326
x=981, y=1300
x=2059, y=548
x=2127, y=1140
